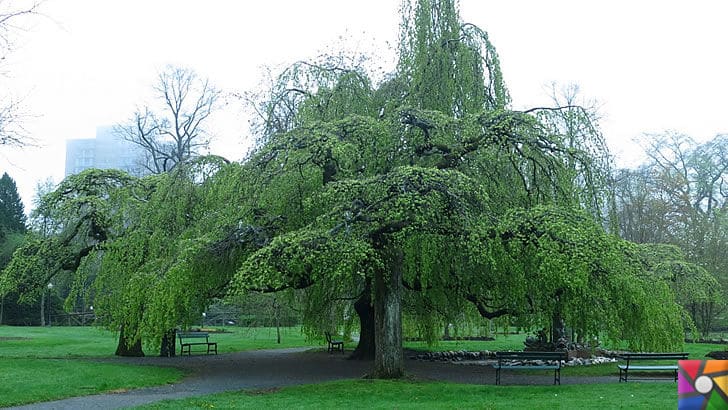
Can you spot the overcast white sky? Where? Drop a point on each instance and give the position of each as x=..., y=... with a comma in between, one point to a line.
x=653, y=65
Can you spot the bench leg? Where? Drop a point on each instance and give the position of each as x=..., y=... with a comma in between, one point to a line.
x=333, y=346
x=557, y=376
x=497, y=376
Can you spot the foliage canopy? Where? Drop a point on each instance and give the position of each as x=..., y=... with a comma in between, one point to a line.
x=423, y=196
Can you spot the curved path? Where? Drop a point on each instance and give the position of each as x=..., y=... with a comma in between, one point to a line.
x=263, y=369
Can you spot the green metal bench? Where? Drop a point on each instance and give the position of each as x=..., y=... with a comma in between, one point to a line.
x=530, y=361
x=334, y=344
x=186, y=345
x=633, y=357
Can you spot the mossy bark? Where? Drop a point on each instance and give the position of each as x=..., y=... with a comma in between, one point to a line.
x=388, y=358
x=365, y=349
x=125, y=350
x=167, y=347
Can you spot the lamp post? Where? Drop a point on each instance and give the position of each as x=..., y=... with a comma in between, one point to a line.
x=50, y=289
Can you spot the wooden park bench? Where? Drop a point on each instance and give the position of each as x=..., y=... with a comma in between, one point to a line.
x=530, y=361
x=651, y=367
x=186, y=345
x=334, y=344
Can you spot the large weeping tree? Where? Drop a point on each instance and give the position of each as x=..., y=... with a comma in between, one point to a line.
x=421, y=196
x=391, y=195
x=81, y=217
x=133, y=248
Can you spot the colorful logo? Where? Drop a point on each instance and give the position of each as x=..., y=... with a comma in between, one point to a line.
x=702, y=384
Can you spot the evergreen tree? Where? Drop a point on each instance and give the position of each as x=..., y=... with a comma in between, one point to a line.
x=12, y=214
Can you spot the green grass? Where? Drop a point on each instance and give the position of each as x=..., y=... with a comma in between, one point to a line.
x=69, y=342
x=39, y=364
x=378, y=394
x=56, y=342
x=501, y=342
x=699, y=350
x=31, y=380
x=237, y=339
x=50, y=363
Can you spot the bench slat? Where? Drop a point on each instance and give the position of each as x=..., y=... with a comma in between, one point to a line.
x=211, y=346
x=623, y=367
x=524, y=355
x=654, y=356
x=505, y=357
x=188, y=335
x=633, y=357
x=529, y=367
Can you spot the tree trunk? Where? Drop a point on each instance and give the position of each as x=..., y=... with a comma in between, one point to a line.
x=167, y=347
x=558, y=332
x=122, y=349
x=42, y=309
x=277, y=318
x=388, y=358
x=365, y=350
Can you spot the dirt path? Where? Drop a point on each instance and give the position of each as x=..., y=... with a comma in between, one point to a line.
x=263, y=369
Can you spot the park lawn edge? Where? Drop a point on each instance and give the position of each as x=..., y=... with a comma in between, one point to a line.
x=387, y=394
x=48, y=379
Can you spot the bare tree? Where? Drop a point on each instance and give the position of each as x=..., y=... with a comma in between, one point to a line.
x=12, y=132
x=172, y=131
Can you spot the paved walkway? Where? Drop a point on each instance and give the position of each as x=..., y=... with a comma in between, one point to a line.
x=263, y=369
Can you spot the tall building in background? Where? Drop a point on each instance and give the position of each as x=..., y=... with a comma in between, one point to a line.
x=106, y=151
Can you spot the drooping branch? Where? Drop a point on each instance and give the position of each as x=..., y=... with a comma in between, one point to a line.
x=561, y=108
x=486, y=311
x=408, y=117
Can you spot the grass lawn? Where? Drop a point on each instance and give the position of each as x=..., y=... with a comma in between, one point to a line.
x=39, y=364
x=377, y=394
x=238, y=339
x=501, y=342
x=48, y=363
x=30, y=380
x=56, y=342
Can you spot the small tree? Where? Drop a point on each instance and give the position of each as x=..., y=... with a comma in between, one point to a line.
x=12, y=214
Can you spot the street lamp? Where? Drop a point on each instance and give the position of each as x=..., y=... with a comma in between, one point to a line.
x=50, y=289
